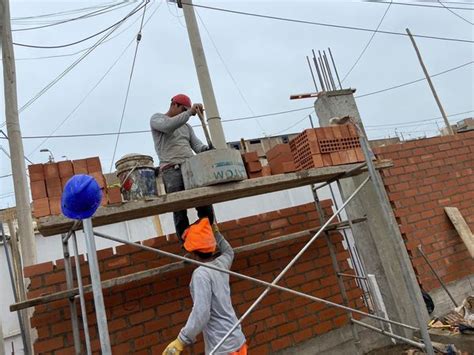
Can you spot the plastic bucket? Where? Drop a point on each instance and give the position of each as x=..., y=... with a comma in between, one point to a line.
x=136, y=173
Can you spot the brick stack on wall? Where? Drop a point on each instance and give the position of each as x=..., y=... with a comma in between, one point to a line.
x=280, y=159
x=145, y=316
x=47, y=183
x=428, y=175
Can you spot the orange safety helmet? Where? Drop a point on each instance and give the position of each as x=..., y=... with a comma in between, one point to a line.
x=200, y=237
x=182, y=100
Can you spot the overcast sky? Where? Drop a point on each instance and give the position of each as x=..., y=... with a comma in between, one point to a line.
x=266, y=58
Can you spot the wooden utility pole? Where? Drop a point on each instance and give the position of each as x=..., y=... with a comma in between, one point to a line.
x=207, y=92
x=23, y=208
x=428, y=78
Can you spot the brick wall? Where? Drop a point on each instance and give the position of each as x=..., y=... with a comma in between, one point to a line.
x=428, y=175
x=145, y=316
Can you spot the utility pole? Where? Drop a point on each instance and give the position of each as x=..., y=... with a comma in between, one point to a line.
x=428, y=78
x=207, y=92
x=23, y=208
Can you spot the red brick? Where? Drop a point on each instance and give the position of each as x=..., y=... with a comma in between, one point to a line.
x=36, y=172
x=53, y=186
x=266, y=170
x=65, y=169
x=64, y=182
x=278, y=150
x=49, y=345
x=55, y=206
x=253, y=166
x=99, y=178
x=281, y=343
x=79, y=166
x=250, y=156
x=327, y=160
x=50, y=171
x=41, y=208
x=323, y=327
x=38, y=189
x=93, y=165
x=38, y=269
x=282, y=167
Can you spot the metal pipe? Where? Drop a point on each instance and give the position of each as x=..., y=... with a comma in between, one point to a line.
x=82, y=298
x=329, y=70
x=74, y=227
x=248, y=278
x=15, y=294
x=100, y=314
x=312, y=74
x=335, y=69
x=283, y=272
x=323, y=68
x=394, y=336
x=71, y=300
x=354, y=276
x=382, y=198
x=348, y=172
x=437, y=276
x=318, y=72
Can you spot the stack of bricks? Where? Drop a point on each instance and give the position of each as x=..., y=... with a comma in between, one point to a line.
x=47, y=182
x=253, y=166
x=280, y=159
x=146, y=315
x=326, y=146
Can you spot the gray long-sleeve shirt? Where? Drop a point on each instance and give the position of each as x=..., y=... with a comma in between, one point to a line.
x=212, y=311
x=174, y=138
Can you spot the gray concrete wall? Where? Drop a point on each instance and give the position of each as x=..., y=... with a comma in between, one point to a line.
x=460, y=289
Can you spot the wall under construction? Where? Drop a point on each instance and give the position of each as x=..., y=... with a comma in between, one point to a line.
x=144, y=316
x=428, y=175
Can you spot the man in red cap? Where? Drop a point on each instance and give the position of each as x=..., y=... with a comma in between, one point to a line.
x=212, y=313
x=175, y=141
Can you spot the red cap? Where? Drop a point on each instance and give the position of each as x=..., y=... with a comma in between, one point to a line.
x=182, y=100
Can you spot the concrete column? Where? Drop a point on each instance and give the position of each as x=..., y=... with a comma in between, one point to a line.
x=374, y=240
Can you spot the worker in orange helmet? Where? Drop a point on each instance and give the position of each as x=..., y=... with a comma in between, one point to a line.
x=212, y=313
x=175, y=142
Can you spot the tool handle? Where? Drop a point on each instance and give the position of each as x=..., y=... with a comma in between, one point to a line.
x=204, y=127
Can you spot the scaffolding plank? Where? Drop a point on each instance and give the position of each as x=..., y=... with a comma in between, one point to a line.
x=461, y=227
x=177, y=201
x=121, y=280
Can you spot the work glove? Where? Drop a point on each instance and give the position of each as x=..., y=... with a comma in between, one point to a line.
x=174, y=348
x=209, y=147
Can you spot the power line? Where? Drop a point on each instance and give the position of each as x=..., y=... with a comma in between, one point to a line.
x=6, y=153
x=368, y=43
x=139, y=37
x=94, y=87
x=354, y=28
x=5, y=176
x=84, y=39
x=421, y=5
x=413, y=82
x=293, y=125
x=102, y=11
x=455, y=14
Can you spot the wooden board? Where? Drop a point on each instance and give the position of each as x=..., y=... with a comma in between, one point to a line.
x=461, y=227
x=177, y=201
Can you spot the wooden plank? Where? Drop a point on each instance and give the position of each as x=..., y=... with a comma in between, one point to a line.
x=121, y=280
x=177, y=201
x=462, y=228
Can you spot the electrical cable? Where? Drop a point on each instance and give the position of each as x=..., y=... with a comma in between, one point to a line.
x=409, y=123
x=354, y=28
x=368, y=43
x=86, y=38
x=139, y=37
x=94, y=87
x=419, y=5
x=293, y=125
x=456, y=14
x=6, y=153
x=88, y=15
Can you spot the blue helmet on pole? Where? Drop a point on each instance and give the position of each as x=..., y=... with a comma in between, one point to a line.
x=81, y=197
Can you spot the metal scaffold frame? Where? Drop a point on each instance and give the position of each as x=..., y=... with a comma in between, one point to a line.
x=360, y=275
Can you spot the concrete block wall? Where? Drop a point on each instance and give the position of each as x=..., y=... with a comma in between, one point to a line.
x=428, y=175
x=144, y=316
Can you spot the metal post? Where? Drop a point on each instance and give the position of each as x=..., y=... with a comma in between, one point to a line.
x=205, y=83
x=72, y=300
x=325, y=58
x=428, y=78
x=337, y=270
x=82, y=298
x=383, y=201
x=335, y=69
x=96, y=288
x=312, y=74
x=283, y=272
x=311, y=121
x=379, y=305
x=320, y=77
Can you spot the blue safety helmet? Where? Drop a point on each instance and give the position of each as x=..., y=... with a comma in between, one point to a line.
x=81, y=197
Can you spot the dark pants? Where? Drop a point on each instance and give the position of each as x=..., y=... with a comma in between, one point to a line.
x=173, y=181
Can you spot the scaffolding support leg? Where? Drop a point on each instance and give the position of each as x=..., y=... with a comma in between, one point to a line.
x=82, y=298
x=97, y=288
x=71, y=300
x=337, y=270
x=410, y=284
x=283, y=272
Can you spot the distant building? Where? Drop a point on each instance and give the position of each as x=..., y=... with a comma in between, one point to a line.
x=464, y=125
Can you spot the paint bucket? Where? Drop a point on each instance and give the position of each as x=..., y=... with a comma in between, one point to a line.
x=136, y=173
x=213, y=167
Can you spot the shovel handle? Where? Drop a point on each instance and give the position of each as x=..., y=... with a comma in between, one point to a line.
x=204, y=127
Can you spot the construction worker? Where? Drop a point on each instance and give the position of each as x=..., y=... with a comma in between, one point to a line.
x=175, y=142
x=212, y=311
